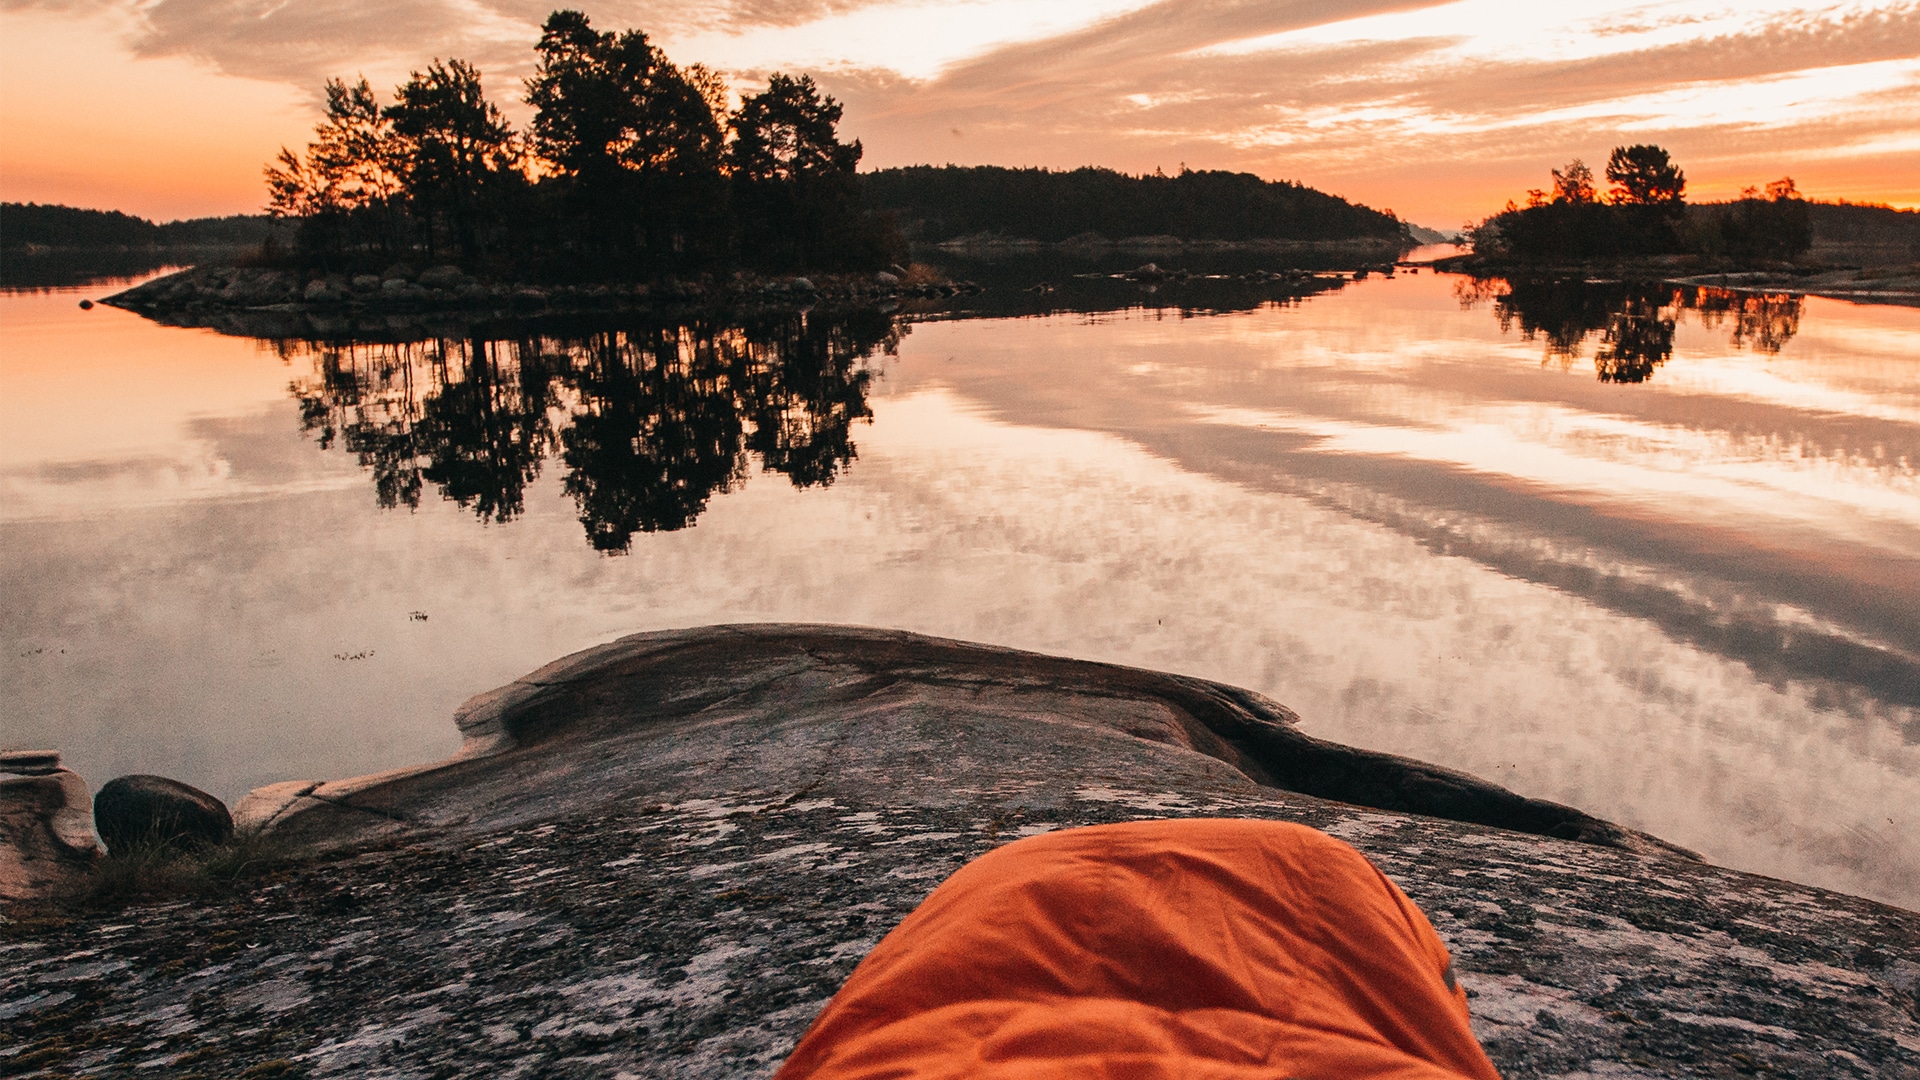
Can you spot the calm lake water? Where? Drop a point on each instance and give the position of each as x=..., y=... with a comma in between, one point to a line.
x=1654, y=553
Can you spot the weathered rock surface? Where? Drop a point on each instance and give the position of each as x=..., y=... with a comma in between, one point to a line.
x=47, y=844
x=143, y=809
x=863, y=703
x=259, y=301
x=662, y=856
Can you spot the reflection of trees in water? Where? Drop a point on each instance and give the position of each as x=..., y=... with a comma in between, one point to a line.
x=649, y=424
x=1764, y=322
x=1634, y=322
x=1638, y=338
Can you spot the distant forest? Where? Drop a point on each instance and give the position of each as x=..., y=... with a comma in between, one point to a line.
x=25, y=225
x=933, y=204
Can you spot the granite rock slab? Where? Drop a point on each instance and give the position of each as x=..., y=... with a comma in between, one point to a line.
x=47, y=843
x=660, y=858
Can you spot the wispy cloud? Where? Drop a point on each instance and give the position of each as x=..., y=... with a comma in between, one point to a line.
x=1439, y=107
x=1386, y=100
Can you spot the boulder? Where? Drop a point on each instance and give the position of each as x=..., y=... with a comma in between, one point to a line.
x=366, y=282
x=318, y=291
x=47, y=844
x=884, y=278
x=441, y=277
x=398, y=272
x=140, y=809
x=254, y=286
x=800, y=284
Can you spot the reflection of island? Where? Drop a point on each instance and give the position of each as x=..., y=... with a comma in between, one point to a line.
x=1634, y=321
x=648, y=423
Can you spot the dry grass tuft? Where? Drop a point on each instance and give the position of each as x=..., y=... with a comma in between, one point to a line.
x=157, y=870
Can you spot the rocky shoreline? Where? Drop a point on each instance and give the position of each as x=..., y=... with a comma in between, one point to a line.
x=1374, y=249
x=661, y=856
x=1867, y=285
x=333, y=302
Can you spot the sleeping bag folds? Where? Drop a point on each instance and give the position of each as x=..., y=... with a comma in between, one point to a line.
x=1200, y=948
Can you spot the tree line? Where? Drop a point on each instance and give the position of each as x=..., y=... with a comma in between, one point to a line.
x=1645, y=212
x=52, y=226
x=632, y=168
x=934, y=204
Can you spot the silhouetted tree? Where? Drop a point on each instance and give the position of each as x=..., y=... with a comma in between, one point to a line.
x=454, y=154
x=627, y=172
x=634, y=143
x=1642, y=175
x=343, y=193
x=1643, y=215
x=794, y=182
x=787, y=133
x=1575, y=185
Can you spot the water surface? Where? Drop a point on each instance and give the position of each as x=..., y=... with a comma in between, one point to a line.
x=1655, y=553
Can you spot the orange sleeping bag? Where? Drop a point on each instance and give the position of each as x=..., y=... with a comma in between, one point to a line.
x=1196, y=948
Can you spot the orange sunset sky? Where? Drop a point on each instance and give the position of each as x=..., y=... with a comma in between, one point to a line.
x=1440, y=111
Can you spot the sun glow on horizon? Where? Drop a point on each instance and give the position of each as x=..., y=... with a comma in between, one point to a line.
x=1442, y=111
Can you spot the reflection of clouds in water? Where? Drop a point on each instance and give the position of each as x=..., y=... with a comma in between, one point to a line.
x=246, y=457
x=1050, y=489
x=1062, y=541
x=1612, y=459
x=1374, y=640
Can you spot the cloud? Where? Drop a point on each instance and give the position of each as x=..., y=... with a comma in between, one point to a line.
x=1376, y=98
x=1386, y=116
x=304, y=42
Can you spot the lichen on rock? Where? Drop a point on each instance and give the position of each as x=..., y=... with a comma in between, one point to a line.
x=661, y=857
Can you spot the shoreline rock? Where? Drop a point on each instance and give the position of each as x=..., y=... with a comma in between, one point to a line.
x=595, y=706
x=208, y=291
x=47, y=843
x=1373, y=249
x=661, y=856
x=142, y=809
